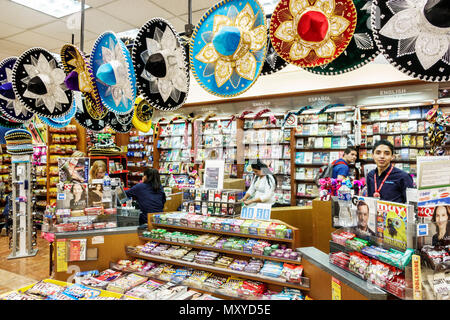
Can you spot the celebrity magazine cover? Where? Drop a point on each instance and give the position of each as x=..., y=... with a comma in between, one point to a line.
x=73, y=170
x=392, y=220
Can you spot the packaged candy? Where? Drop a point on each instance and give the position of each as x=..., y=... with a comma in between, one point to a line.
x=292, y=273
x=44, y=289
x=79, y=291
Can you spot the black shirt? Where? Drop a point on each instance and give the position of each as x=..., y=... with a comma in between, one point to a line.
x=148, y=200
x=394, y=188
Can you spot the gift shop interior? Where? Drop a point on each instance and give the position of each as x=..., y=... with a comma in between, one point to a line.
x=224, y=150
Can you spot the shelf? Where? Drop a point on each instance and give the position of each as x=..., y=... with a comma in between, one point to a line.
x=305, y=180
x=235, y=234
x=392, y=120
x=311, y=164
x=240, y=253
x=327, y=149
x=368, y=148
x=321, y=135
x=213, y=269
x=120, y=172
x=307, y=196
x=394, y=133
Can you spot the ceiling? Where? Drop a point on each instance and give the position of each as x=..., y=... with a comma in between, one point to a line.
x=22, y=28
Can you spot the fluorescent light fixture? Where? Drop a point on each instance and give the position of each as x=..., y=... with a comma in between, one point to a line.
x=54, y=8
x=129, y=33
x=268, y=5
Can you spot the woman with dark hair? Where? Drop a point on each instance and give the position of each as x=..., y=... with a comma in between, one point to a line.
x=441, y=217
x=79, y=200
x=149, y=194
x=262, y=187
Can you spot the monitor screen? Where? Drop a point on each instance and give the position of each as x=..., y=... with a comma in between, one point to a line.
x=121, y=195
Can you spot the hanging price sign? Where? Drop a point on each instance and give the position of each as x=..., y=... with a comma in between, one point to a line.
x=260, y=211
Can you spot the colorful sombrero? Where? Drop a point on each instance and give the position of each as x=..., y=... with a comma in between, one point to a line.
x=143, y=114
x=114, y=73
x=10, y=105
x=129, y=43
x=160, y=63
x=360, y=51
x=85, y=120
x=7, y=123
x=273, y=63
x=64, y=121
x=19, y=141
x=228, y=47
x=311, y=33
x=414, y=36
x=80, y=78
x=38, y=82
x=121, y=122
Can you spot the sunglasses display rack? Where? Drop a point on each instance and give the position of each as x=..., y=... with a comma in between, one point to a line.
x=139, y=155
x=5, y=169
x=39, y=162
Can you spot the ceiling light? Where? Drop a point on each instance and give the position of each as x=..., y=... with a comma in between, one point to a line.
x=269, y=5
x=55, y=8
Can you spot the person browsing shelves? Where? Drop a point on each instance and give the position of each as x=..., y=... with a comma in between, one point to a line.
x=387, y=182
x=262, y=188
x=340, y=166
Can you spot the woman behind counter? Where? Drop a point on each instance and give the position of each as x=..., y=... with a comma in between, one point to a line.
x=441, y=217
x=149, y=194
x=262, y=188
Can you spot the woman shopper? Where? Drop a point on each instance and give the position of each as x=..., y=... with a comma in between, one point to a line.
x=262, y=187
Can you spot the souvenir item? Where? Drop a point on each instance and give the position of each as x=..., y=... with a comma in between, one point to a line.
x=121, y=122
x=160, y=63
x=312, y=33
x=228, y=47
x=414, y=36
x=19, y=141
x=114, y=73
x=63, y=121
x=143, y=114
x=38, y=82
x=361, y=49
x=85, y=120
x=273, y=63
x=11, y=107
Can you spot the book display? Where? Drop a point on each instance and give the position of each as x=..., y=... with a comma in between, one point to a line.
x=139, y=155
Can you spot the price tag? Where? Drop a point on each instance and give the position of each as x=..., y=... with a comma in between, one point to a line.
x=422, y=230
x=260, y=211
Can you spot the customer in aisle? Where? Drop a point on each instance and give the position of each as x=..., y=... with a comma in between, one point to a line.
x=98, y=170
x=387, y=182
x=149, y=194
x=262, y=187
x=341, y=166
x=441, y=217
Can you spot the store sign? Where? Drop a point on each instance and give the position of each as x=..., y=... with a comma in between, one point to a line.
x=214, y=174
x=291, y=121
x=432, y=172
x=259, y=211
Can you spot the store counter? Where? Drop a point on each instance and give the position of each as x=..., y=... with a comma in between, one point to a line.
x=321, y=273
x=299, y=217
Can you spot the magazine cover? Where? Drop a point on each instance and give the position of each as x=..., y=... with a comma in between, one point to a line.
x=365, y=210
x=73, y=196
x=73, y=170
x=392, y=219
x=95, y=194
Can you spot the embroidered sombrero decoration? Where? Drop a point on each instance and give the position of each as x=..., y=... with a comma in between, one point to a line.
x=160, y=63
x=38, y=82
x=121, y=122
x=414, y=36
x=63, y=121
x=228, y=47
x=8, y=123
x=10, y=105
x=86, y=121
x=273, y=63
x=114, y=73
x=311, y=33
x=79, y=77
x=360, y=51
x=19, y=141
x=143, y=114
x=128, y=42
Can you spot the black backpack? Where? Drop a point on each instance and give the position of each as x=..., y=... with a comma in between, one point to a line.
x=326, y=171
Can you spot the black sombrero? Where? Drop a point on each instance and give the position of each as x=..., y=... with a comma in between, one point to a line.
x=121, y=122
x=273, y=62
x=85, y=120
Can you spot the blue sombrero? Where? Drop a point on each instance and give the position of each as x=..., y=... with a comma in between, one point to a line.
x=228, y=47
x=11, y=107
x=114, y=73
x=64, y=120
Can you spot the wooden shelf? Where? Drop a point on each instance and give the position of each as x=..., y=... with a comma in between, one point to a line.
x=223, y=232
x=322, y=149
x=213, y=269
x=311, y=164
x=392, y=120
x=210, y=248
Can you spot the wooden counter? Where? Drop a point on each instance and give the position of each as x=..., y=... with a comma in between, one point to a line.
x=299, y=217
x=322, y=225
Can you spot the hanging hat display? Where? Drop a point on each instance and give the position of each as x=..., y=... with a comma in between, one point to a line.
x=114, y=73
x=80, y=78
x=360, y=51
x=121, y=122
x=312, y=33
x=11, y=107
x=8, y=123
x=38, y=82
x=128, y=42
x=85, y=120
x=19, y=141
x=228, y=47
x=63, y=121
x=160, y=64
x=272, y=63
x=143, y=114
x=414, y=36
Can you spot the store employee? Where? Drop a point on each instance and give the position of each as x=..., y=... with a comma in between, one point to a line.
x=387, y=182
x=262, y=188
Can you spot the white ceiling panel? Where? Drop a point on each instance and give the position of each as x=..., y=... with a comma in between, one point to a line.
x=12, y=49
x=136, y=14
x=97, y=22
x=8, y=30
x=196, y=16
x=59, y=30
x=98, y=3
x=33, y=39
x=178, y=24
x=21, y=16
x=180, y=7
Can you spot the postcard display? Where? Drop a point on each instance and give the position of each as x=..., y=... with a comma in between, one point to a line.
x=139, y=155
x=268, y=142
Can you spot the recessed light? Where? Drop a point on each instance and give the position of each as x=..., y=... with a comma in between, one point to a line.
x=54, y=8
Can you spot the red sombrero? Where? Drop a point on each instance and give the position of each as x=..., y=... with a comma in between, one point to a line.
x=311, y=33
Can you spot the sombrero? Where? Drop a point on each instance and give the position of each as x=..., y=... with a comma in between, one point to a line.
x=228, y=47
x=10, y=106
x=38, y=82
x=121, y=122
x=86, y=121
x=160, y=63
x=19, y=141
x=63, y=121
x=143, y=114
x=414, y=36
x=7, y=123
x=128, y=42
x=80, y=78
x=360, y=51
x=312, y=33
x=114, y=73
x=273, y=63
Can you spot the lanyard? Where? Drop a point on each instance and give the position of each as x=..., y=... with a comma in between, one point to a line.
x=377, y=191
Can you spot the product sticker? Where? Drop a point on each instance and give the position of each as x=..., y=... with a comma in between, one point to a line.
x=61, y=196
x=335, y=289
x=61, y=253
x=98, y=240
x=422, y=230
x=416, y=275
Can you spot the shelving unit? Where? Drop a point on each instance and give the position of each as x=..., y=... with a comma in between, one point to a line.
x=119, y=160
x=39, y=192
x=139, y=155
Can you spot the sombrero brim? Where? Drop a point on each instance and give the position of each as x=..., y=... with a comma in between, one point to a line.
x=142, y=122
x=53, y=123
x=86, y=121
x=121, y=123
x=12, y=108
x=273, y=62
x=176, y=83
x=49, y=105
x=203, y=72
x=122, y=103
x=304, y=56
x=361, y=49
x=7, y=123
x=401, y=53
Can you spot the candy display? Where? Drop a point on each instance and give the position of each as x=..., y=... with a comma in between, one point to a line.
x=208, y=202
